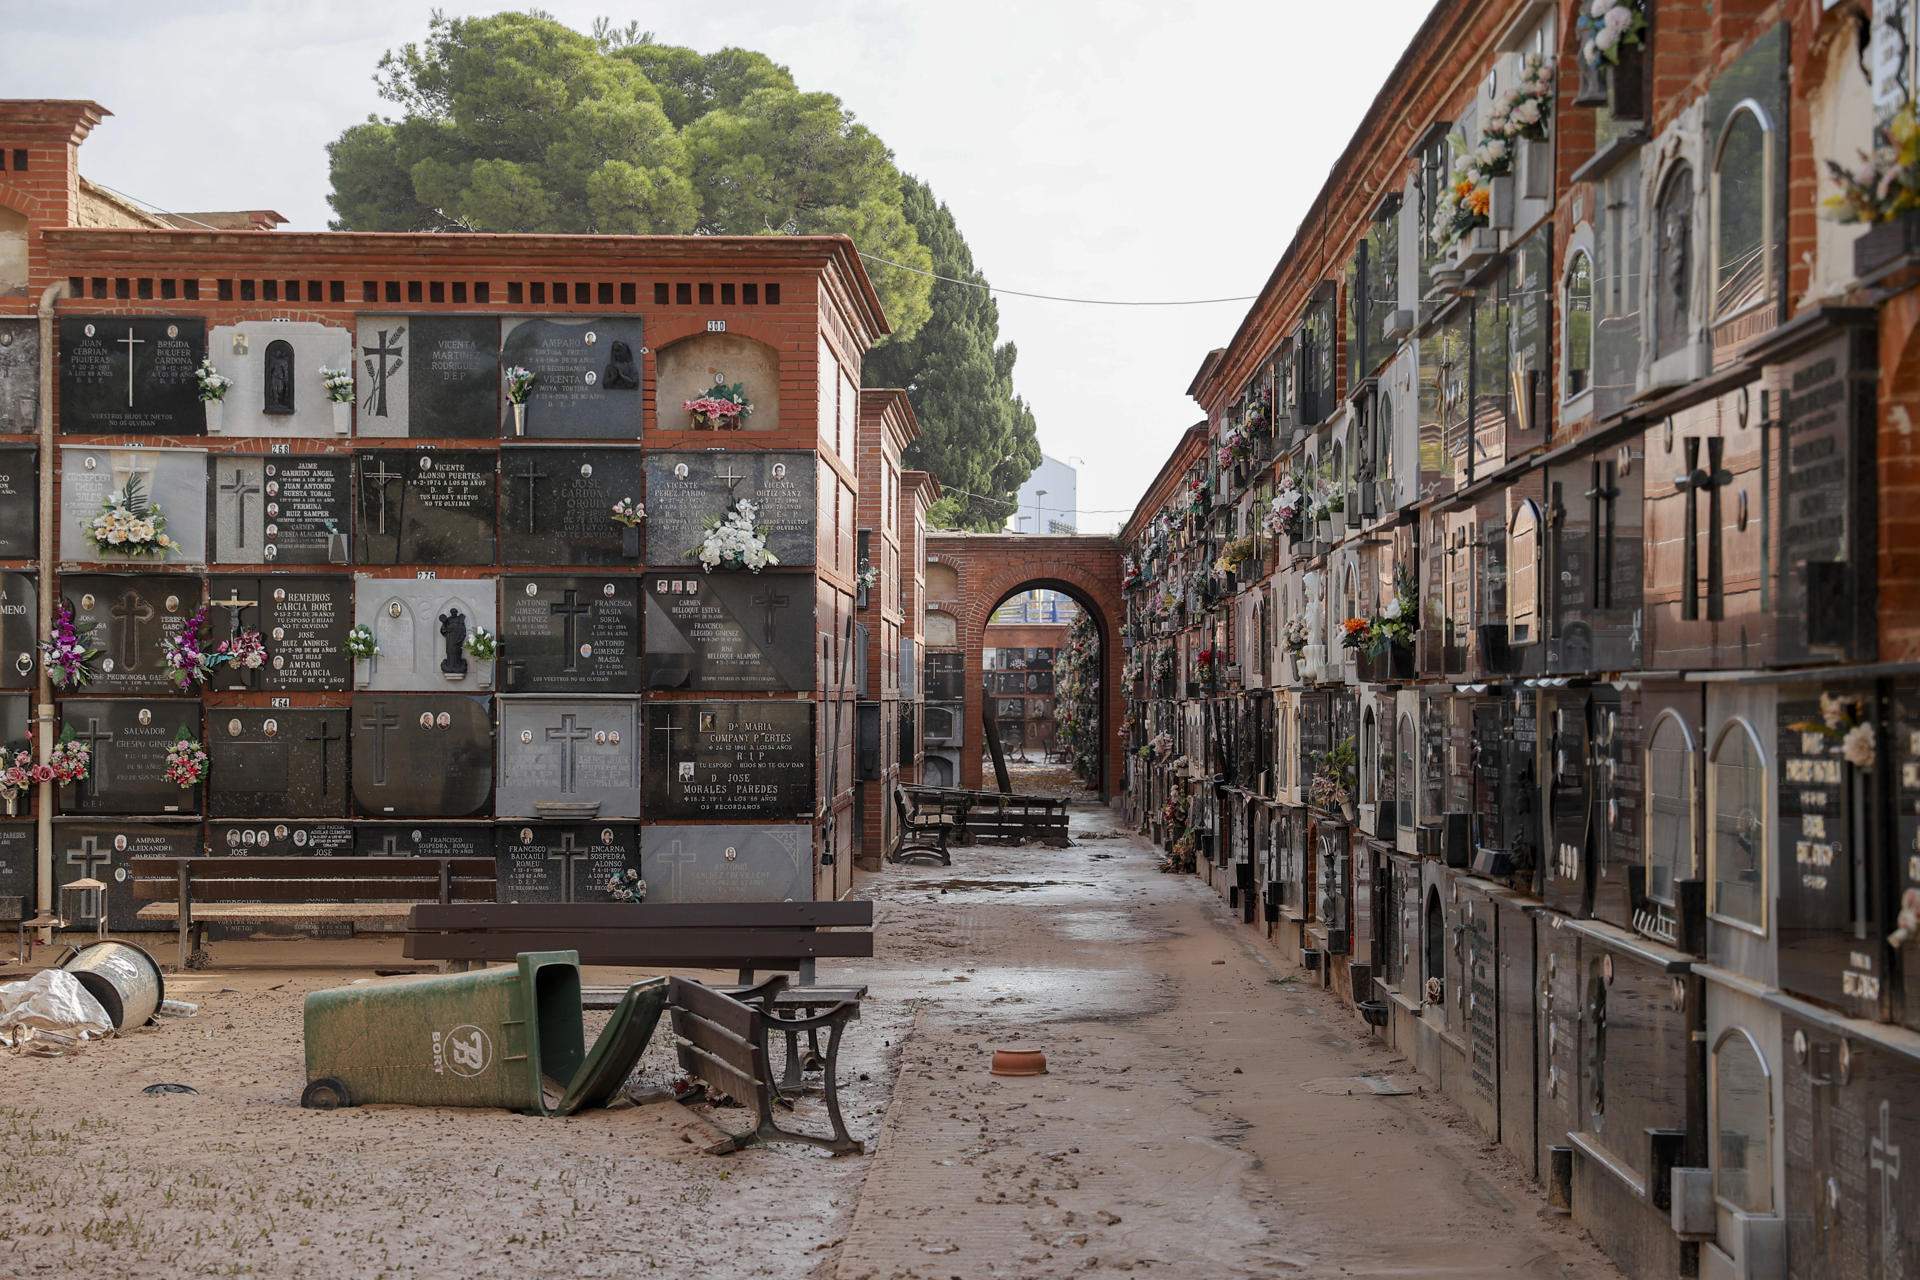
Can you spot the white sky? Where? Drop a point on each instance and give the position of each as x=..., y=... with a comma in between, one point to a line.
x=1109, y=149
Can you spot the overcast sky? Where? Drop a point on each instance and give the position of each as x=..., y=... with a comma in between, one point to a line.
x=1116, y=150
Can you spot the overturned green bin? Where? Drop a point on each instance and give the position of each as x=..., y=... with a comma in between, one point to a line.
x=501, y=1037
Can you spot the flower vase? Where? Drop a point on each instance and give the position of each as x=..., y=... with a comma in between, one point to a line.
x=703, y=422
x=1533, y=168
x=342, y=417
x=216, y=416
x=1346, y=808
x=519, y=418
x=1500, y=202
x=1627, y=85
x=11, y=800
x=630, y=541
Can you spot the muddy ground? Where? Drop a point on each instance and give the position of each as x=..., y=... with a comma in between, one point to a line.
x=1195, y=1122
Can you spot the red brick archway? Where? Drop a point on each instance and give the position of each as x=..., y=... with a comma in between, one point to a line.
x=992, y=567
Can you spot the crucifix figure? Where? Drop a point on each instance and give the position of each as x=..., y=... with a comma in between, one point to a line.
x=380, y=477
x=234, y=606
x=568, y=734
x=132, y=610
x=1884, y=1159
x=531, y=475
x=1712, y=478
x=772, y=602
x=326, y=737
x=383, y=359
x=130, y=342
x=240, y=487
x=1600, y=500
x=570, y=610
x=380, y=720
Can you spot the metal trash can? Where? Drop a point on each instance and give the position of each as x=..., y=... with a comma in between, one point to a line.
x=123, y=977
x=500, y=1037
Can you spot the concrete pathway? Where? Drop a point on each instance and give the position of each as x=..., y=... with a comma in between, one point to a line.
x=1199, y=1118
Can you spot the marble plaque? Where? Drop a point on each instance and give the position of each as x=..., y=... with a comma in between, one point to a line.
x=422, y=755
x=19, y=856
x=19, y=499
x=686, y=490
x=569, y=635
x=303, y=622
x=276, y=763
x=557, y=507
x=19, y=376
x=562, y=758
x=129, y=738
x=105, y=851
x=421, y=626
x=729, y=630
x=729, y=759
x=417, y=840
x=19, y=631
x=1827, y=880
x=130, y=618
x=418, y=507
x=280, y=839
x=131, y=375
x=277, y=386
x=282, y=510
x=571, y=862
x=434, y=377
x=586, y=377
x=174, y=480
x=728, y=863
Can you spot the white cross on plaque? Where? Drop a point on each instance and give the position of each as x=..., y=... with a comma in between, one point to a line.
x=130, y=342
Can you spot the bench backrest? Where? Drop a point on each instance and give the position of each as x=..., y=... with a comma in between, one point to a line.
x=276, y=879
x=734, y=935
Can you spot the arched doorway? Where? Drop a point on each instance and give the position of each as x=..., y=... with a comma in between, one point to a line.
x=1041, y=698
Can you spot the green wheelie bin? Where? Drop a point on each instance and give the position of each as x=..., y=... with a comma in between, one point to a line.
x=500, y=1037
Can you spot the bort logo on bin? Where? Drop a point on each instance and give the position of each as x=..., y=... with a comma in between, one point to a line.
x=466, y=1051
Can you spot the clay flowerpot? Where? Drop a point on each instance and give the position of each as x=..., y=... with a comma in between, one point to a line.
x=1019, y=1062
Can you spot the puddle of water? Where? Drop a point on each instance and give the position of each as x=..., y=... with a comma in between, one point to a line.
x=1099, y=926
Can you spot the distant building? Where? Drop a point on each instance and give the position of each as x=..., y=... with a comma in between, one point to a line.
x=1049, y=500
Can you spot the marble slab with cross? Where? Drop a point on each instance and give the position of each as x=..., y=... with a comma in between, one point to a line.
x=131, y=375
x=428, y=377
x=421, y=755
x=685, y=490
x=277, y=763
x=430, y=507
x=708, y=760
x=104, y=851
x=564, y=862
x=729, y=631
x=557, y=501
x=569, y=758
x=587, y=375
x=19, y=501
x=130, y=618
x=282, y=509
x=278, y=388
x=569, y=634
x=129, y=739
x=302, y=621
x=174, y=480
x=422, y=627
x=727, y=863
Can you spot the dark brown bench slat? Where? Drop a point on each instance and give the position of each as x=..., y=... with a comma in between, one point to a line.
x=712, y=948
x=853, y=913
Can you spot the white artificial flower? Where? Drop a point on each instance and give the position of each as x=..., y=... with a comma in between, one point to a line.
x=1392, y=610
x=1600, y=8
x=1857, y=747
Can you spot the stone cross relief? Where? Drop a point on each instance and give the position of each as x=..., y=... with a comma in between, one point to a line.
x=383, y=359
x=130, y=342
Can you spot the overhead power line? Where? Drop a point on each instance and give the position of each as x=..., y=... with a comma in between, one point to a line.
x=1054, y=297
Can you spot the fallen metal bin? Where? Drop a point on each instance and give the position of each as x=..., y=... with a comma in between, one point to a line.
x=500, y=1037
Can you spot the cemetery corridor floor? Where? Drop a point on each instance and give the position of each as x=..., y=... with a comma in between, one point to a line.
x=1172, y=1137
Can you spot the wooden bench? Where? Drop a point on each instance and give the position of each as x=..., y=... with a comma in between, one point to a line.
x=925, y=827
x=994, y=817
x=722, y=1042
x=747, y=936
x=193, y=892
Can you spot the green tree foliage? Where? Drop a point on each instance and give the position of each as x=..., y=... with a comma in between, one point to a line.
x=975, y=433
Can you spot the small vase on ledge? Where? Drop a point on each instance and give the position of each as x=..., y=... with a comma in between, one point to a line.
x=342, y=417
x=519, y=418
x=216, y=416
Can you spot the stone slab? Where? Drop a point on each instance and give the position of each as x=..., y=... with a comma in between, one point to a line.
x=277, y=386
x=19, y=860
x=433, y=507
x=587, y=376
x=430, y=377
x=280, y=839
x=153, y=391
x=105, y=851
x=129, y=738
x=19, y=630
x=563, y=862
x=731, y=631
x=303, y=622
x=557, y=503
x=421, y=625
x=129, y=618
x=276, y=763
x=19, y=376
x=422, y=755
x=282, y=510
x=173, y=479
x=424, y=840
x=685, y=490
x=569, y=758
x=19, y=498
x=727, y=863
x=573, y=634
x=729, y=760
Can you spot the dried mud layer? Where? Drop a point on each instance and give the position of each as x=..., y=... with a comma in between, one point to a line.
x=1186, y=1127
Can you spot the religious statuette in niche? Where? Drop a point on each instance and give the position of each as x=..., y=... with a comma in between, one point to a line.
x=278, y=392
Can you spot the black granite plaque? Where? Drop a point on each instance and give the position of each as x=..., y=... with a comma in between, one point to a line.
x=1316, y=733
x=1829, y=944
x=19, y=631
x=105, y=851
x=130, y=618
x=429, y=376
x=280, y=839
x=18, y=858
x=425, y=755
x=302, y=621
x=308, y=511
x=19, y=502
x=564, y=862
x=424, y=840
x=569, y=635
x=586, y=377
x=686, y=490
x=276, y=763
x=1569, y=807
x=131, y=375
x=425, y=507
x=1903, y=740
x=729, y=760
x=558, y=508
x=129, y=738
x=729, y=631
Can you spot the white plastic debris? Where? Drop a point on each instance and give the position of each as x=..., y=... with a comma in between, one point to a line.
x=50, y=1013
x=177, y=1009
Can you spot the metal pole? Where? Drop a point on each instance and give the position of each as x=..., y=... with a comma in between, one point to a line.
x=44, y=710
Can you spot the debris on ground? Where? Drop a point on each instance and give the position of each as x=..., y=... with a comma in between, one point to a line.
x=50, y=1014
